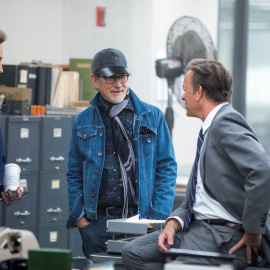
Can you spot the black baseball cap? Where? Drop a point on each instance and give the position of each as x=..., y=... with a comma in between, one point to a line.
x=109, y=62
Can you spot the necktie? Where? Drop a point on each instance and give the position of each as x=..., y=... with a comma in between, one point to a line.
x=193, y=183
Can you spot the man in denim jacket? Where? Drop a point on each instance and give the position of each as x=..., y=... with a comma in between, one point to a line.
x=121, y=157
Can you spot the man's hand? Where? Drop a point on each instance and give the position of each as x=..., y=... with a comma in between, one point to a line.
x=252, y=241
x=82, y=222
x=166, y=238
x=10, y=197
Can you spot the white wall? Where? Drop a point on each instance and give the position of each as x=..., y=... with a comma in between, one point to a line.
x=128, y=29
x=34, y=29
x=55, y=30
x=165, y=13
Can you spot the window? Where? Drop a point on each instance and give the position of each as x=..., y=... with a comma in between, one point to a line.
x=257, y=98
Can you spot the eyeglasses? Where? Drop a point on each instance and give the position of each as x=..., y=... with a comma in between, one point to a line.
x=112, y=79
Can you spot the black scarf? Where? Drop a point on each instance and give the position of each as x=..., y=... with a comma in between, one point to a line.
x=123, y=148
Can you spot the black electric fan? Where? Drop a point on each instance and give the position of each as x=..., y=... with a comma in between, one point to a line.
x=188, y=39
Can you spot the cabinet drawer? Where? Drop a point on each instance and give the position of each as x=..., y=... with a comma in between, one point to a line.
x=75, y=243
x=24, y=211
x=55, y=143
x=53, y=198
x=53, y=236
x=24, y=143
x=3, y=126
x=1, y=214
x=32, y=229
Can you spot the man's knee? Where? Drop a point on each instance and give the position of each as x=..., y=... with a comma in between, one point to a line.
x=128, y=254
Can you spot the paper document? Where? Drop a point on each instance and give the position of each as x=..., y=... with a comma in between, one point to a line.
x=147, y=221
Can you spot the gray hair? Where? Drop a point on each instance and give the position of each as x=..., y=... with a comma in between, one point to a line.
x=3, y=36
x=214, y=78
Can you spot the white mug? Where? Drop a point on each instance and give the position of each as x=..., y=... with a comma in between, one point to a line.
x=11, y=177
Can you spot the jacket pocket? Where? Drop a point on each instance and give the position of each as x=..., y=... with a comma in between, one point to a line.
x=85, y=227
x=147, y=141
x=87, y=137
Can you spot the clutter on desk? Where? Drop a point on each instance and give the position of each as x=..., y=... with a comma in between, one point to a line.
x=15, y=243
x=128, y=227
x=15, y=100
x=38, y=84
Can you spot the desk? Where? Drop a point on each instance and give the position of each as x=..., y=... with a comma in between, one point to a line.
x=106, y=257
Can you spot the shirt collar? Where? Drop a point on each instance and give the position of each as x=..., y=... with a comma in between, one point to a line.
x=209, y=119
x=130, y=104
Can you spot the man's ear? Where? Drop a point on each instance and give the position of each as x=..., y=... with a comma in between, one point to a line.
x=94, y=80
x=199, y=92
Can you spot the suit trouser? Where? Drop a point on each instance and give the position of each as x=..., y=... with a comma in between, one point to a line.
x=143, y=252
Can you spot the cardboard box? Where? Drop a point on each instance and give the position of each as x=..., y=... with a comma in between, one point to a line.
x=16, y=94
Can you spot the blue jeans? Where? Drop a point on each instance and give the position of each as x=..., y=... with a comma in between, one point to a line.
x=94, y=236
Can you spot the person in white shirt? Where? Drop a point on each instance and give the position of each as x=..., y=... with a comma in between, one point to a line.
x=226, y=209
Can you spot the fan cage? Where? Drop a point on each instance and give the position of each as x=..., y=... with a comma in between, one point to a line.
x=185, y=24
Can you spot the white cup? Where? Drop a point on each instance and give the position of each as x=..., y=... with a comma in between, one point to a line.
x=11, y=177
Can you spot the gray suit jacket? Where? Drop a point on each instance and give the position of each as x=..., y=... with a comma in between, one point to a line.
x=235, y=171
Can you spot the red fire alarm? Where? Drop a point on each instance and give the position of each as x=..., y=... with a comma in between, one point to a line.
x=101, y=16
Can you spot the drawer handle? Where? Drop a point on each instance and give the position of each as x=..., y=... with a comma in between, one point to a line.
x=19, y=160
x=57, y=158
x=25, y=213
x=57, y=210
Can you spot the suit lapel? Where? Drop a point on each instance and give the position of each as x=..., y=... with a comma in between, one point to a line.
x=204, y=147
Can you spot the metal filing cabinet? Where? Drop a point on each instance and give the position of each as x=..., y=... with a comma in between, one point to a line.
x=24, y=143
x=1, y=214
x=3, y=120
x=75, y=240
x=73, y=117
x=24, y=213
x=55, y=142
x=32, y=229
x=23, y=148
x=39, y=145
x=53, y=236
x=53, y=200
x=3, y=126
x=75, y=243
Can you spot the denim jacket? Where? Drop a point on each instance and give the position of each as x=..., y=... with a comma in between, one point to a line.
x=155, y=164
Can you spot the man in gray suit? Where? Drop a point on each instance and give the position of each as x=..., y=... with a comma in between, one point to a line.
x=227, y=209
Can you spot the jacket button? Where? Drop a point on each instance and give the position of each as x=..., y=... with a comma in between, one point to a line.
x=96, y=173
x=93, y=194
x=92, y=214
x=100, y=153
x=85, y=134
x=101, y=133
x=148, y=140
